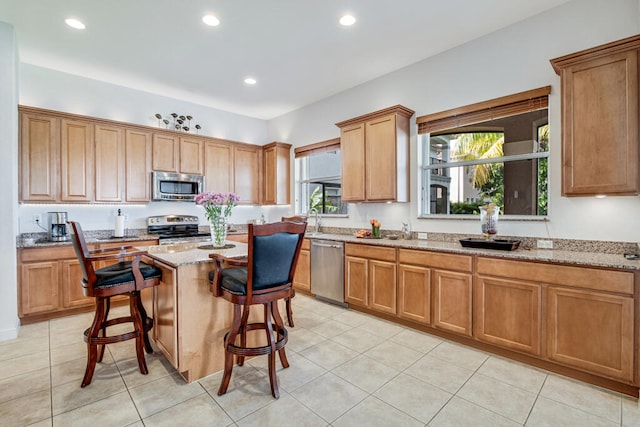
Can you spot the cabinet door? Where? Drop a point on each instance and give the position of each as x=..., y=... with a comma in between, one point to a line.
x=137, y=166
x=414, y=293
x=72, y=294
x=382, y=279
x=76, y=161
x=508, y=314
x=452, y=295
x=191, y=155
x=356, y=278
x=218, y=167
x=109, y=161
x=276, y=173
x=165, y=312
x=39, y=157
x=380, y=163
x=39, y=287
x=600, y=103
x=246, y=175
x=302, y=276
x=165, y=153
x=352, y=150
x=591, y=331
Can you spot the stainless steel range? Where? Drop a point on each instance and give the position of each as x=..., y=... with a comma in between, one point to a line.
x=171, y=229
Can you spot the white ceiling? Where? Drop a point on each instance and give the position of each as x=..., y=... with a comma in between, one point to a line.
x=294, y=48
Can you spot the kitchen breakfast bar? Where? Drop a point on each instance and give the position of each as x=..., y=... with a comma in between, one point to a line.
x=190, y=322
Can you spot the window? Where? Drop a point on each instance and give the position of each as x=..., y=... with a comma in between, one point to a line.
x=319, y=179
x=495, y=151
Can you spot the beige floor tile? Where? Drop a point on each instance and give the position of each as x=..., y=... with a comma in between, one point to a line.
x=381, y=328
x=26, y=410
x=34, y=330
x=630, y=411
x=245, y=394
x=549, y=413
x=329, y=396
x=197, y=411
x=461, y=413
x=22, y=346
x=301, y=338
x=326, y=309
x=358, y=340
x=23, y=364
x=69, y=335
x=374, y=413
x=47, y=422
x=366, y=373
x=212, y=382
x=163, y=393
x=459, y=355
x=284, y=411
x=307, y=319
x=73, y=370
x=413, y=397
x=330, y=328
x=393, y=355
x=113, y=411
x=157, y=365
x=328, y=354
x=22, y=385
x=499, y=397
x=417, y=341
x=300, y=371
x=123, y=350
x=351, y=318
x=64, y=353
x=514, y=373
x=439, y=373
x=106, y=382
x=585, y=397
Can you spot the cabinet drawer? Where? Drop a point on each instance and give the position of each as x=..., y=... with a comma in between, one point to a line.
x=50, y=253
x=371, y=252
x=306, y=244
x=436, y=260
x=581, y=277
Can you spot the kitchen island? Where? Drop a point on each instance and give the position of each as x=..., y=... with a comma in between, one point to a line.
x=190, y=322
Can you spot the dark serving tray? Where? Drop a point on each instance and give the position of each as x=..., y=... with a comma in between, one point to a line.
x=501, y=245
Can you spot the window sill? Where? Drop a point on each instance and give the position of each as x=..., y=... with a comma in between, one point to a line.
x=461, y=217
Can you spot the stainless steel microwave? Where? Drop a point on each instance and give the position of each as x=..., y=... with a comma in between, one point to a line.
x=177, y=187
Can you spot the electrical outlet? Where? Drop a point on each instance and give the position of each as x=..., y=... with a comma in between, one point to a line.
x=545, y=244
x=422, y=236
x=126, y=217
x=36, y=218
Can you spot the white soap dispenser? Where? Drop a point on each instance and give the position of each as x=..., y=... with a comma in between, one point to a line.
x=119, y=228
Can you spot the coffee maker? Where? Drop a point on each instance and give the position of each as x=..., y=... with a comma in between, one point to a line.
x=58, y=227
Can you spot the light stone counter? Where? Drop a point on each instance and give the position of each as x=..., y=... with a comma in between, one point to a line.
x=594, y=259
x=193, y=253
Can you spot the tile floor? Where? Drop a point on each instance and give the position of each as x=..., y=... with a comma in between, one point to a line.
x=347, y=369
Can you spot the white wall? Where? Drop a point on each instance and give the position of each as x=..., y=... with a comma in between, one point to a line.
x=8, y=176
x=510, y=60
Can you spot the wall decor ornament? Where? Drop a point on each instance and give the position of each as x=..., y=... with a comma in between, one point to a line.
x=180, y=123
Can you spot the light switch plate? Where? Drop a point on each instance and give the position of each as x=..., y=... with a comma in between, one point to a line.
x=545, y=244
x=422, y=236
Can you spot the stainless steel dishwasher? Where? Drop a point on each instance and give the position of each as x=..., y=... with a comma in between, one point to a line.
x=327, y=270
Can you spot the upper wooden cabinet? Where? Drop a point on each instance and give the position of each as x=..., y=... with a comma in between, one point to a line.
x=600, y=152
x=375, y=156
x=109, y=160
x=76, y=161
x=246, y=173
x=218, y=166
x=276, y=159
x=166, y=152
x=137, y=165
x=191, y=155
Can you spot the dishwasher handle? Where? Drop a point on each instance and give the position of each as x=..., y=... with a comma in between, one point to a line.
x=322, y=245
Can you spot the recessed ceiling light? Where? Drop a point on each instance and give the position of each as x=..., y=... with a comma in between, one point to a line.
x=211, y=20
x=250, y=81
x=347, y=20
x=74, y=23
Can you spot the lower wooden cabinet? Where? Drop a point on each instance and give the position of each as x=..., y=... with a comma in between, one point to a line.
x=370, y=277
x=592, y=331
x=507, y=313
x=50, y=281
x=302, y=276
x=452, y=293
x=165, y=312
x=414, y=293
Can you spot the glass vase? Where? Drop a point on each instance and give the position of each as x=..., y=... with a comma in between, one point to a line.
x=489, y=220
x=218, y=227
x=375, y=231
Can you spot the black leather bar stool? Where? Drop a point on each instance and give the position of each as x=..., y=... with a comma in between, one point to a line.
x=122, y=278
x=264, y=277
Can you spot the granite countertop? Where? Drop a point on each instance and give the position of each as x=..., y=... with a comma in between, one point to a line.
x=193, y=253
x=91, y=239
x=594, y=259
